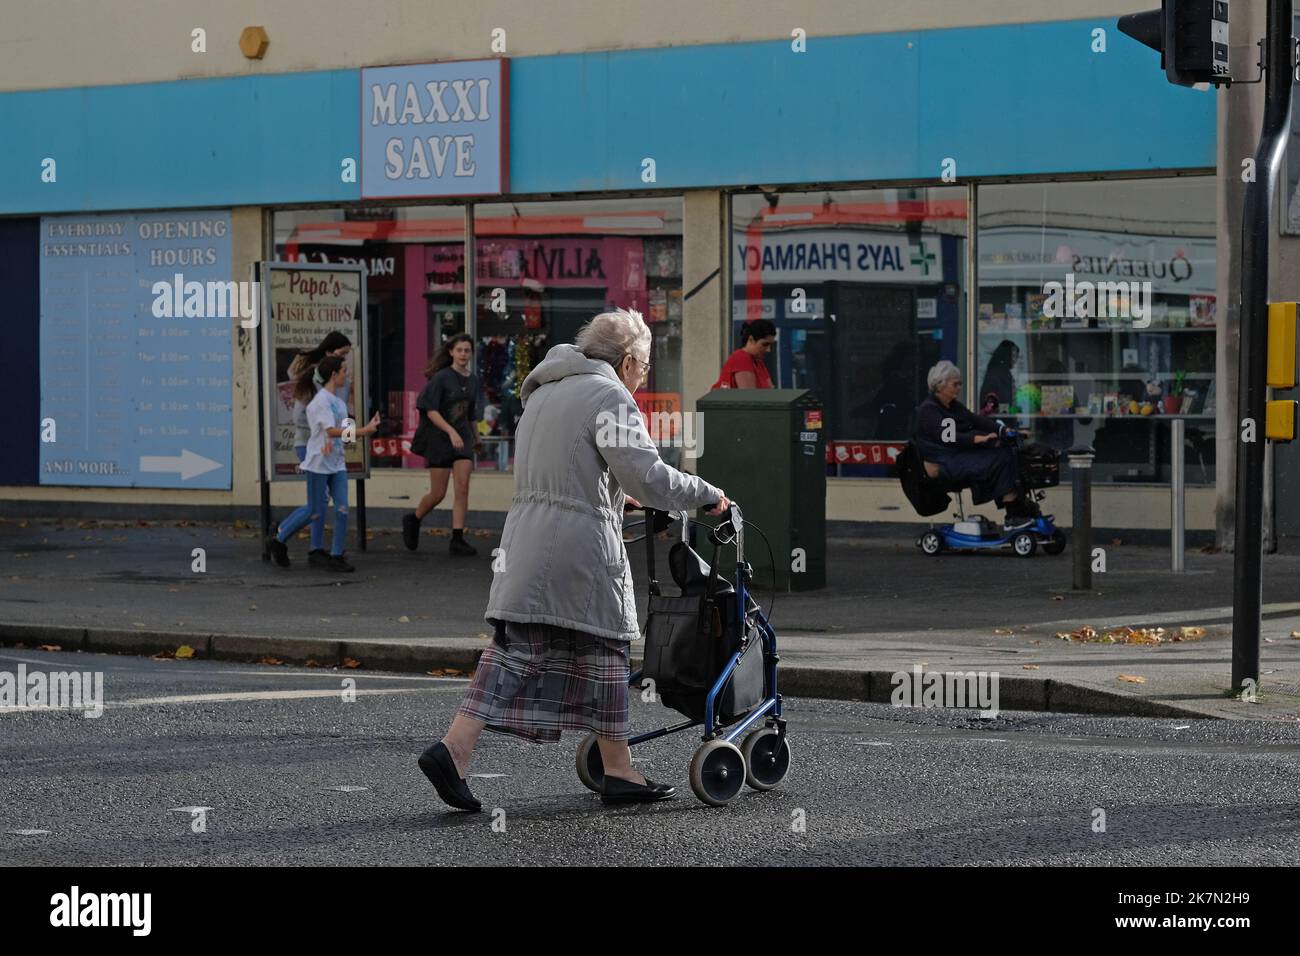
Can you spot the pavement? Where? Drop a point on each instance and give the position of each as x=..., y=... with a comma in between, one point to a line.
x=135, y=588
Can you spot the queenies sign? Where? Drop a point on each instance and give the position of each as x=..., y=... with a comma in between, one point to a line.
x=436, y=129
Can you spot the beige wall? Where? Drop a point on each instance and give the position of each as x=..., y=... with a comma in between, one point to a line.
x=62, y=43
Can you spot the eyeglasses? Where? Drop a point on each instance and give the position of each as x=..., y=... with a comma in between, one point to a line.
x=645, y=366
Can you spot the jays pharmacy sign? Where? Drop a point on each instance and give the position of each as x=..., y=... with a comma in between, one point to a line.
x=435, y=129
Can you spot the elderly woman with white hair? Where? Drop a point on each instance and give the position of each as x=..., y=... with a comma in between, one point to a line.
x=964, y=448
x=562, y=602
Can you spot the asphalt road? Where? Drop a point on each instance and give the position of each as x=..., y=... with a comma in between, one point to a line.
x=266, y=747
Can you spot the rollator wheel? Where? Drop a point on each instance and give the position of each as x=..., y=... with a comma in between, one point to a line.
x=591, y=769
x=931, y=543
x=1024, y=544
x=717, y=772
x=1057, y=544
x=767, y=758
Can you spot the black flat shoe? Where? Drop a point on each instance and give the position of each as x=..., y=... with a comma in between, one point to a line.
x=438, y=766
x=618, y=790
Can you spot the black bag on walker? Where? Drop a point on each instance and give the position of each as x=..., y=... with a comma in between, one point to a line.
x=689, y=638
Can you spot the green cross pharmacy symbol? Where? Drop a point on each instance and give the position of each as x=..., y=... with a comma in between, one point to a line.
x=922, y=258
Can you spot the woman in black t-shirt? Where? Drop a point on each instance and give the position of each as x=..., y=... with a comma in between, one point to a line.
x=448, y=406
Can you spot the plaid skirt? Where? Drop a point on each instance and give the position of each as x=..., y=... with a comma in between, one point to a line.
x=535, y=680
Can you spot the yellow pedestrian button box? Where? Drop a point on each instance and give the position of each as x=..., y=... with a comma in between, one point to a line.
x=1281, y=346
x=1279, y=421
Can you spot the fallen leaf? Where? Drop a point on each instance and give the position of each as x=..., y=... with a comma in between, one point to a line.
x=184, y=652
x=350, y=663
x=1003, y=630
x=311, y=663
x=164, y=656
x=1296, y=635
x=1132, y=678
x=273, y=661
x=435, y=673
x=1030, y=667
x=252, y=607
x=51, y=647
x=1058, y=597
x=72, y=557
x=403, y=620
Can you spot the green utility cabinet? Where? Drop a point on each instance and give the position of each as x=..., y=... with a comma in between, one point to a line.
x=765, y=447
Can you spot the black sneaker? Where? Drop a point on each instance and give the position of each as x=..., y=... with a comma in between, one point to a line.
x=462, y=548
x=339, y=563
x=320, y=558
x=1017, y=523
x=410, y=531
x=279, y=551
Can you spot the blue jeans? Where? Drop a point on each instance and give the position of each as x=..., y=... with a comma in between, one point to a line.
x=317, y=526
x=335, y=486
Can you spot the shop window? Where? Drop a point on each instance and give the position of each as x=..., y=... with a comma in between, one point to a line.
x=1097, y=318
x=405, y=250
x=866, y=290
x=544, y=269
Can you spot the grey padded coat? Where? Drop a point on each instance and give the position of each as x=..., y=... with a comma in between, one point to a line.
x=580, y=446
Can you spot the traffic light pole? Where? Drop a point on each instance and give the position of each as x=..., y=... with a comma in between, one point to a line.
x=1252, y=392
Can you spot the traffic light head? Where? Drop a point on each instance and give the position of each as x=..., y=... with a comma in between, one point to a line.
x=1191, y=37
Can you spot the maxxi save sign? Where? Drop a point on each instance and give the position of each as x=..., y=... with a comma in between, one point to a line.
x=435, y=129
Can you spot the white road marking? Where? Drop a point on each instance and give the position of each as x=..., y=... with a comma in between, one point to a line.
x=317, y=672
x=488, y=776
x=348, y=789
x=29, y=832
x=191, y=809
x=225, y=698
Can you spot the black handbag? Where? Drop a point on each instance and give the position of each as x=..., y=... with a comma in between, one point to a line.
x=423, y=438
x=689, y=637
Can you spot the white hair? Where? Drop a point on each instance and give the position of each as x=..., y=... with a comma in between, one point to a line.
x=942, y=373
x=611, y=335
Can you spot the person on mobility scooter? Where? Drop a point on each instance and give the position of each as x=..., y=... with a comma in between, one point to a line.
x=953, y=448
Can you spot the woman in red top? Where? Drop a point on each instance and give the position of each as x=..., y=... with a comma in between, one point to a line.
x=745, y=367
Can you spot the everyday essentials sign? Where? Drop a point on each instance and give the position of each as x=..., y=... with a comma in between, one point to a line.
x=436, y=129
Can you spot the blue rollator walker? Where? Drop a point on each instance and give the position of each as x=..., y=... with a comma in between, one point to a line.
x=710, y=655
x=1041, y=469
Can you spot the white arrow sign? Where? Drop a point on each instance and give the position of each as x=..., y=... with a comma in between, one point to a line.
x=187, y=464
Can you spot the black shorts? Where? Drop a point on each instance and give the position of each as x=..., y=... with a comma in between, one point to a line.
x=447, y=459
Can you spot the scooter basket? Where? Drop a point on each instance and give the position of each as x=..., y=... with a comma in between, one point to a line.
x=1040, y=466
